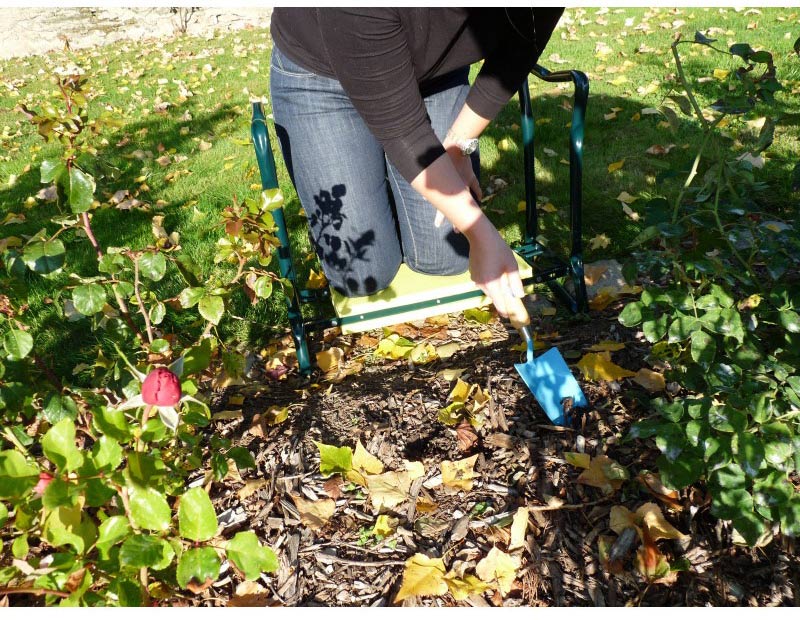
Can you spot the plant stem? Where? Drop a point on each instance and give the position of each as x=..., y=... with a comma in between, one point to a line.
x=685, y=84
x=693, y=172
x=140, y=302
x=90, y=234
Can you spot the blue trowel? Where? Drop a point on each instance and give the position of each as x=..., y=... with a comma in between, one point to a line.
x=548, y=377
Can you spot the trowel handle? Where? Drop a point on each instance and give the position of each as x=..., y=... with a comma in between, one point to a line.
x=517, y=313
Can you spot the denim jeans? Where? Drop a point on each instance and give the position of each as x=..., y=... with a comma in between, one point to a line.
x=364, y=218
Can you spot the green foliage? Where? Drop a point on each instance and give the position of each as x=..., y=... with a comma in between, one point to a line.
x=721, y=311
x=105, y=486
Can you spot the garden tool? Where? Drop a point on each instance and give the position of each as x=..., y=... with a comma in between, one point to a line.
x=548, y=377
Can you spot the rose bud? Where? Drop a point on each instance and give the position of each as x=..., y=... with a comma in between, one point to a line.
x=161, y=388
x=44, y=480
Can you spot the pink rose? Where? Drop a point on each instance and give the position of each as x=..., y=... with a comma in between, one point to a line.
x=44, y=480
x=161, y=388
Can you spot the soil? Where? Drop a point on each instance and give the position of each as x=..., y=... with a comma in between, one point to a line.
x=392, y=407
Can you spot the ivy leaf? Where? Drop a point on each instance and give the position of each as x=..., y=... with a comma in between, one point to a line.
x=211, y=308
x=146, y=551
x=333, y=459
x=250, y=557
x=80, y=191
x=200, y=565
x=422, y=576
x=59, y=446
x=89, y=299
x=153, y=265
x=17, y=476
x=17, y=344
x=197, y=520
x=149, y=508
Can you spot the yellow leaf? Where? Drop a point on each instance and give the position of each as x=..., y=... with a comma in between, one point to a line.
x=595, y=366
x=415, y=469
x=329, y=360
x=365, y=462
x=451, y=373
x=316, y=280
x=228, y=415
x=250, y=487
x=385, y=525
x=522, y=205
x=650, y=380
x=626, y=198
x=519, y=527
x=447, y=350
x=721, y=74
x=607, y=345
x=389, y=489
x=656, y=526
x=500, y=568
x=605, y=474
x=459, y=474
x=619, y=81
x=204, y=146
x=423, y=576
x=462, y=587
x=636, y=117
x=578, y=459
x=275, y=415
x=478, y=315
x=610, y=116
x=548, y=207
x=423, y=353
x=314, y=514
x=621, y=518
x=613, y=167
x=460, y=392
x=599, y=241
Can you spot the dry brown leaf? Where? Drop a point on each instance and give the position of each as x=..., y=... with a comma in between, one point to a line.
x=466, y=435
x=250, y=487
x=655, y=525
x=329, y=360
x=599, y=241
x=650, y=380
x=314, y=514
x=333, y=487
x=652, y=482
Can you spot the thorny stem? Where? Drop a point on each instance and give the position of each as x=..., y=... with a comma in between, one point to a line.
x=685, y=83
x=90, y=233
x=140, y=302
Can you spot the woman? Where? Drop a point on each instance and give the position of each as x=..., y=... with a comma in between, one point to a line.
x=378, y=127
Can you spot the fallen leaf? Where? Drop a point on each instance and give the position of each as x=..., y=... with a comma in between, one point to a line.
x=364, y=461
x=388, y=489
x=250, y=487
x=578, y=459
x=655, y=525
x=607, y=345
x=415, y=469
x=314, y=514
x=650, y=380
x=204, y=146
x=466, y=435
x=721, y=74
x=617, y=165
x=652, y=482
x=500, y=568
x=596, y=367
x=626, y=198
x=658, y=149
x=548, y=207
x=461, y=588
x=459, y=474
x=605, y=474
x=328, y=360
x=519, y=527
x=422, y=576
x=385, y=525
x=447, y=350
x=333, y=487
x=451, y=373
x=316, y=281
x=275, y=415
x=334, y=459
x=599, y=241
x=423, y=353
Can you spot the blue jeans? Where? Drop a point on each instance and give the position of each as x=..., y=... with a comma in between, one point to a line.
x=364, y=218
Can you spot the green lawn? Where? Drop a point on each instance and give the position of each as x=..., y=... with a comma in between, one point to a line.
x=183, y=150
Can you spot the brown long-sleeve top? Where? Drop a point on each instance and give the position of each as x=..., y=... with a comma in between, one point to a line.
x=387, y=59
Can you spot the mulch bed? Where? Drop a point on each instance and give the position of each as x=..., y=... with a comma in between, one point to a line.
x=392, y=408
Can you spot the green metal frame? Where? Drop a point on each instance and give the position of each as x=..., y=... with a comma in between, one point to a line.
x=547, y=267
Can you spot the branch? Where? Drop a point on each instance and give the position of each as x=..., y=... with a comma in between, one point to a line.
x=139, y=300
x=34, y=591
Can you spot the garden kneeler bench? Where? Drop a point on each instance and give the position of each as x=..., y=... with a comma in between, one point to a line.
x=413, y=296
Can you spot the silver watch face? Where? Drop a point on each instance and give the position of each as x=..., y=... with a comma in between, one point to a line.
x=468, y=147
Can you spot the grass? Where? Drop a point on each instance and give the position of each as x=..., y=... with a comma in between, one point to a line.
x=211, y=161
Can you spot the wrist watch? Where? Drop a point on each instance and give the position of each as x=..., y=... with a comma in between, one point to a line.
x=467, y=145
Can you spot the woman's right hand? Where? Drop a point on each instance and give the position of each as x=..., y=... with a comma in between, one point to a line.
x=493, y=266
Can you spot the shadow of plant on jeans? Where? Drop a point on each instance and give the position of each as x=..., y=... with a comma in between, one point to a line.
x=339, y=255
